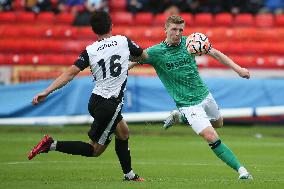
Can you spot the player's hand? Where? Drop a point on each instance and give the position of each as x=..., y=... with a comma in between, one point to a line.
x=244, y=73
x=39, y=98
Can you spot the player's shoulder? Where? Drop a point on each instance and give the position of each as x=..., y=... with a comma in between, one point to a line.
x=156, y=48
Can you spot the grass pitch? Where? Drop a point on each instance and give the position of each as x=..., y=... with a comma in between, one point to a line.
x=175, y=158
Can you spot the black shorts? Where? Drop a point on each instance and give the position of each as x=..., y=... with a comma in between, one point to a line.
x=106, y=114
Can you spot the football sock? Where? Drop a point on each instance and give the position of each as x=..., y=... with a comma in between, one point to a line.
x=53, y=146
x=75, y=148
x=225, y=154
x=123, y=154
x=130, y=175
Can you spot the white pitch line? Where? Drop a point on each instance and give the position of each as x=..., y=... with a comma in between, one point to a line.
x=138, y=163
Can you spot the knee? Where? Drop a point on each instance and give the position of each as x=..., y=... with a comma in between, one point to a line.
x=209, y=135
x=123, y=136
x=97, y=153
x=97, y=149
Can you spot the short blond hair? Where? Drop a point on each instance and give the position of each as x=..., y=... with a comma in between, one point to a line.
x=174, y=19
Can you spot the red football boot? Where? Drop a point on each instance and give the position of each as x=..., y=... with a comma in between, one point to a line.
x=42, y=147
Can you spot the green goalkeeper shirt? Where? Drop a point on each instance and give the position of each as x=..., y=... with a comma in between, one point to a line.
x=177, y=69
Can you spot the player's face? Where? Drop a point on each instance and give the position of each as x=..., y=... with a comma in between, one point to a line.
x=174, y=33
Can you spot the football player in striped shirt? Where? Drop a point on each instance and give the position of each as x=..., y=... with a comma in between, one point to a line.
x=108, y=59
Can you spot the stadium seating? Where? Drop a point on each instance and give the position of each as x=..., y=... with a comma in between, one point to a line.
x=25, y=17
x=122, y=18
x=160, y=19
x=117, y=5
x=279, y=20
x=7, y=17
x=223, y=19
x=64, y=18
x=46, y=18
x=264, y=20
x=244, y=20
x=188, y=18
x=144, y=19
x=203, y=20
x=253, y=41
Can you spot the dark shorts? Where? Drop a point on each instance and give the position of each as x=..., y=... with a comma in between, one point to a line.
x=106, y=114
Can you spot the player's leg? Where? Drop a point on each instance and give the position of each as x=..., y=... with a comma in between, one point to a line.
x=103, y=110
x=198, y=119
x=218, y=123
x=92, y=149
x=123, y=152
x=210, y=107
x=212, y=111
x=176, y=117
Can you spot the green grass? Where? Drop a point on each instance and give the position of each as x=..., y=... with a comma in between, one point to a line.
x=176, y=158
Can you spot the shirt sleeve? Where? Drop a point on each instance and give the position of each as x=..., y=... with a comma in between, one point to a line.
x=135, y=50
x=83, y=60
x=149, y=60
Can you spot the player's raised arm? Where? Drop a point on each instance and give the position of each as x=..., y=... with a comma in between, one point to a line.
x=243, y=72
x=62, y=80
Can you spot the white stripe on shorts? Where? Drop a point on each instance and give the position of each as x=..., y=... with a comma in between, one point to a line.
x=104, y=136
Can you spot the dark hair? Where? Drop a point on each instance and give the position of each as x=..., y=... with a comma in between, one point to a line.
x=101, y=22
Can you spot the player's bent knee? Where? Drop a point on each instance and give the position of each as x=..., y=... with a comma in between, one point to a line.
x=98, y=152
x=123, y=136
x=98, y=149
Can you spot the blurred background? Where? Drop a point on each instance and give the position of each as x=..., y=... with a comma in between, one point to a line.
x=39, y=39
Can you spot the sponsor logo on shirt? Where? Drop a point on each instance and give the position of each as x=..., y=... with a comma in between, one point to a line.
x=177, y=64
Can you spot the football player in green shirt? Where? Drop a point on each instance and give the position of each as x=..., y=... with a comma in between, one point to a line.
x=177, y=69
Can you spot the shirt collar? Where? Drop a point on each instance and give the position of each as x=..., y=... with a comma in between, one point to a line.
x=171, y=45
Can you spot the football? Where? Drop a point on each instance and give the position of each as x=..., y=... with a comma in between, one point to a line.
x=198, y=44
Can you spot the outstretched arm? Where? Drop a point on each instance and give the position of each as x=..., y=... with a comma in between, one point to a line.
x=133, y=62
x=59, y=82
x=243, y=72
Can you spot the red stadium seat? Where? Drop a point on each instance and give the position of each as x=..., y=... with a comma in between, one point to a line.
x=279, y=20
x=144, y=19
x=122, y=18
x=203, y=19
x=25, y=17
x=9, y=46
x=14, y=59
x=223, y=19
x=117, y=5
x=264, y=20
x=18, y=5
x=188, y=18
x=7, y=17
x=9, y=32
x=2, y=59
x=86, y=33
x=54, y=59
x=154, y=34
x=31, y=59
x=160, y=19
x=64, y=18
x=244, y=19
x=45, y=18
x=63, y=32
